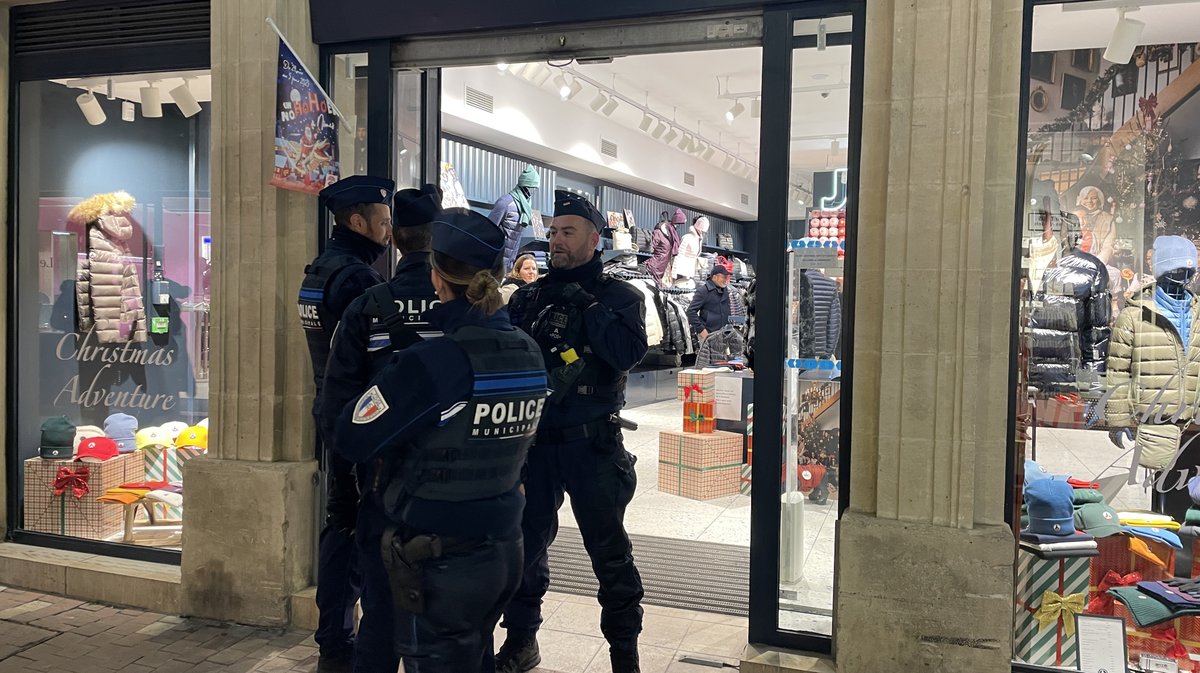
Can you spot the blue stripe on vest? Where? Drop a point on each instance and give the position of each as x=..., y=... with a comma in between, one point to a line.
x=504, y=393
x=509, y=375
x=523, y=382
x=312, y=294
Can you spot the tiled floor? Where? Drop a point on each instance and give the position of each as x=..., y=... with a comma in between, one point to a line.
x=1088, y=454
x=40, y=633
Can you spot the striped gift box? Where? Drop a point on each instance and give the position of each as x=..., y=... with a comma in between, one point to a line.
x=696, y=385
x=1047, y=645
x=1115, y=556
x=700, y=467
x=746, y=469
x=166, y=464
x=1178, y=639
x=65, y=514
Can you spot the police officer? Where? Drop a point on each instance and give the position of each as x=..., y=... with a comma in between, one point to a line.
x=592, y=331
x=389, y=317
x=340, y=274
x=452, y=418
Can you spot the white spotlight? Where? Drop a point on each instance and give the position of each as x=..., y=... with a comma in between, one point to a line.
x=647, y=122
x=734, y=112
x=835, y=147
x=560, y=83
x=540, y=75
x=685, y=143
x=574, y=89
x=660, y=129
x=502, y=67
x=518, y=70
x=91, y=108
x=1124, y=39
x=708, y=153
x=183, y=97
x=611, y=106
x=728, y=163
x=671, y=136
x=128, y=111
x=403, y=147
x=756, y=108
x=598, y=102
x=151, y=101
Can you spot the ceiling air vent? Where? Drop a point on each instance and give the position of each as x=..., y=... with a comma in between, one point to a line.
x=689, y=179
x=608, y=148
x=478, y=100
x=745, y=199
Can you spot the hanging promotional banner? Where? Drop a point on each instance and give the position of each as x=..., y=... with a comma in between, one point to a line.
x=306, y=129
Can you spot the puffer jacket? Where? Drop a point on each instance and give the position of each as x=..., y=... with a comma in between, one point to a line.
x=1070, y=329
x=1146, y=358
x=507, y=215
x=108, y=293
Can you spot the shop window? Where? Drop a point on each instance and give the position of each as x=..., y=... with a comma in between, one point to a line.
x=111, y=329
x=1108, y=361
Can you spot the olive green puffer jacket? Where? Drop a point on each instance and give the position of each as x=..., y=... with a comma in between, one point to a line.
x=1146, y=358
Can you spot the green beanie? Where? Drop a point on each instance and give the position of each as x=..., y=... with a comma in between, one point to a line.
x=529, y=178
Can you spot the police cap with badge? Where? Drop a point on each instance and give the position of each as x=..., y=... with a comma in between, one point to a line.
x=570, y=203
x=355, y=190
x=415, y=207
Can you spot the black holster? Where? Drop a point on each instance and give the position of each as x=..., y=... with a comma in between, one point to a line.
x=403, y=563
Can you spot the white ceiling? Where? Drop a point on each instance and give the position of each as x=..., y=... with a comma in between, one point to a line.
x=1090, y=25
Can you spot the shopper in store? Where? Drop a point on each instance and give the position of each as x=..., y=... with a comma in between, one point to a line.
x=514, y=211
x=524, y=271
x=384, y=320
x=450, y=421
x=592, y=331
x=338, y=276
x=710, y=307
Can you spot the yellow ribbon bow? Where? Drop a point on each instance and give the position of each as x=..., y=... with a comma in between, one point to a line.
x=1055, y=607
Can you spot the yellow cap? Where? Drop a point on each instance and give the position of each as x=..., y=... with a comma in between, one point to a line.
x=194, y=437
x=152, y=436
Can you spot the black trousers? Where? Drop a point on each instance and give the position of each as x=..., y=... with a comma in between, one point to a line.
x=599, y=476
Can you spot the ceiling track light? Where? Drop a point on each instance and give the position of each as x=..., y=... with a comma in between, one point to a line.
x=708, y=153
x=735, y=112
x=502, y=67
x=540, y=74
x=128, y=111
x=756, y=108
x=184, y=99
x=598, y=102
x=403, y=147
x=660, y=129
x=728, y=163
x=835, y=147
x=574, y=89
x=647, y=122
x=685, y=143
x=92, y=112
x=610, y=107
x=1125, y=37
x=671, y=136
x=151, y=101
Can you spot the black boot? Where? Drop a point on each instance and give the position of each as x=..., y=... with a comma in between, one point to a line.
x=624, y=660
x=518, y=654
x=342, y=662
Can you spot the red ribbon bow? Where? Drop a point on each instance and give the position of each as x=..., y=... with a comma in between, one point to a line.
x=688, y=390
x=1177, y=651
x=75, y=481
x=1102, y=604
x=1148, y=106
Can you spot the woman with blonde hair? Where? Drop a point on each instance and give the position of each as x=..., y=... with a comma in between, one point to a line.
x=1099, y=229
x=524, y=271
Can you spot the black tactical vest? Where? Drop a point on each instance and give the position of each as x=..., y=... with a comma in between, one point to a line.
x=479, y=448
x=558, y=326
x=315, y=317
x=397, y=322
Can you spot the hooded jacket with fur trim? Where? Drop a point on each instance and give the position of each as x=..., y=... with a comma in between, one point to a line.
x=108, y=293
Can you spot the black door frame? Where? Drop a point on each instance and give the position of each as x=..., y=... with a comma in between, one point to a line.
x=771, y=235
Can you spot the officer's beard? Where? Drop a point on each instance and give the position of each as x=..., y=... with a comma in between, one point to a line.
x=565, y=260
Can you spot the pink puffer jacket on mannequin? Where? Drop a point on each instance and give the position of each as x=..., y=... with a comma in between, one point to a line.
x=108, y=293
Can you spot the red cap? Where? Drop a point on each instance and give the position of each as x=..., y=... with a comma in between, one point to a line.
x=1079, y=483
x=96, y=449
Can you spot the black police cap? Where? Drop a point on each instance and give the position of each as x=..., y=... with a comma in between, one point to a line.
x=570, y=203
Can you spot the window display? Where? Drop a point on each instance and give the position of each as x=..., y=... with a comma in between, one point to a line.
x=112, y=255
x=1108, y=362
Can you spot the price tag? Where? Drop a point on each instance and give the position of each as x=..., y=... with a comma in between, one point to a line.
x=1153, y=664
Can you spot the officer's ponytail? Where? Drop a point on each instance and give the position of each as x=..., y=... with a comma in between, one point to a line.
x=481, y=287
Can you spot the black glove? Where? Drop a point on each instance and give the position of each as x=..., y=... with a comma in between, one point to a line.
x=575, y=295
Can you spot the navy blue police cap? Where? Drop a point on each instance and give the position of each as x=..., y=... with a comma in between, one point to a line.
x=469, y=237
x=414, y=207
x=357, y=189
x=570, y=203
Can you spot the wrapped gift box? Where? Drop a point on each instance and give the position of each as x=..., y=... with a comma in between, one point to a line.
x=1115, y=557
x=75, y=511
x=697, y=385
x=746, y=467
x=166, y=464
x=700, y=467
x=698, y=418
x=1178, y=639
x=1049, y=594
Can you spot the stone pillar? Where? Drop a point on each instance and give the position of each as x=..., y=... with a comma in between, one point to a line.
x=923, y=548
x=249, y=534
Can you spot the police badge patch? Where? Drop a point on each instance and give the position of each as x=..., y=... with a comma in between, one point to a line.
x=370, y=406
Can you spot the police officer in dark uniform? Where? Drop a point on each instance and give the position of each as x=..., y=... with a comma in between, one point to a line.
x=452, y=418
x=389, y=317
x=338, y=276
x=592, y=331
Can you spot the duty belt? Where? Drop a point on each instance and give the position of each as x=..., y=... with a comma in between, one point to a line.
x=578, y=433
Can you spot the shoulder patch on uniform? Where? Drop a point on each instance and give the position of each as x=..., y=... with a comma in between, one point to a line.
x=452, y=412
x=370, y=406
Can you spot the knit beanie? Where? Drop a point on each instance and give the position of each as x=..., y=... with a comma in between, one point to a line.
x=529, y=178
x=1172, y=253
x=122, y=429
x=701, y=224
x=680, y=217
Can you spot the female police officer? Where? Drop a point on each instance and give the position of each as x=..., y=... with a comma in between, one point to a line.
x=453, y=418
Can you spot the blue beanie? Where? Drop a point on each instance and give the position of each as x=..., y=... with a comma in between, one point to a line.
x=1172, y=253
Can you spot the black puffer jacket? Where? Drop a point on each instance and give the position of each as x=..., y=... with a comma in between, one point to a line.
x=1071, y=328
